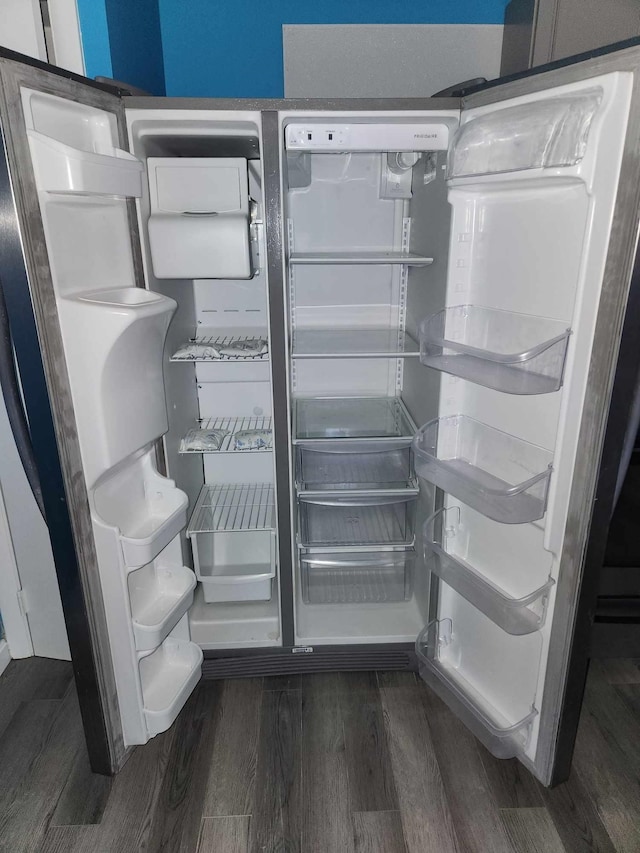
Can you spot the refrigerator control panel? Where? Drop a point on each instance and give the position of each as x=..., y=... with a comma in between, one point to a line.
x=367, y=137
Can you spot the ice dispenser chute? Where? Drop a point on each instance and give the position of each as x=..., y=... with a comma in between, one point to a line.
x=200, y=217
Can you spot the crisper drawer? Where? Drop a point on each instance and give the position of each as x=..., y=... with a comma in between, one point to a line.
x=361, y=577
x=338, y=520
x=354, y=464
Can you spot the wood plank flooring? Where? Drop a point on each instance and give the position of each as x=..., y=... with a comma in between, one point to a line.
x=330, y=763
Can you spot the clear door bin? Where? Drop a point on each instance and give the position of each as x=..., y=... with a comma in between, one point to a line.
x=333, y=520
x=501, y=737
x=353, y=464
x=514, y=615
x=514, y=353
x=500, y=476
x=363, y=577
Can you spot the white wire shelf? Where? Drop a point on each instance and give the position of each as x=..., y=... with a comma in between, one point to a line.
x=363, y=257
x=222, y=347
x=233, y=508
x=353, y=343
x=223, y=434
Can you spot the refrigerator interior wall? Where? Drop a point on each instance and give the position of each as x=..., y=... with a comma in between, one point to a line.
x=218, y=385
x=364, y=263
x=531, y=242
x=113, y=335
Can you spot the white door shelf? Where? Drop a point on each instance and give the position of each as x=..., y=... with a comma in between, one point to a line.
x=327, y=521
x=338, y=577
x=353, y=343
x=363, y=257
x=223, y=348
x=500, y=476
x=160, y=594
x=232, y=533
x=337, y=464
x=64, y=169
x=503, y=738
x=229, y=435
x=352, y=418
x=514, y=615
x=168, y=676
x=514, y=353
x=147, y=510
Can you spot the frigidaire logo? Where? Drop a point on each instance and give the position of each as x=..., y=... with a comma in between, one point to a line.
x=425, y=135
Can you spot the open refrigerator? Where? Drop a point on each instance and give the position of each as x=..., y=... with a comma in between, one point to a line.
x=328, y=382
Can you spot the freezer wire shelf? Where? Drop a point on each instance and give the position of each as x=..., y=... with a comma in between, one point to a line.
x=503, y=738
x=224, y=348
x=514, y=615
x=353, y=343
x=513, y=353
x=362, y=257
x=233, y=508
x=352, y=418
x=205, y=439
x=495, y=473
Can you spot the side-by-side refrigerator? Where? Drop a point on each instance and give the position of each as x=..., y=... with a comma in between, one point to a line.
x=326, y=385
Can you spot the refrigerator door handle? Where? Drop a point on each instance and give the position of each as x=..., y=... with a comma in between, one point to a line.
x=10, y=385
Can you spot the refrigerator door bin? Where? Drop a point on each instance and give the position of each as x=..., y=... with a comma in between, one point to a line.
x=352, y=417
x=63, y=169
x=146, y=508
x=336, y=520
x=339, y=577
x=160, y=593
x=503, y=738
x=500, y=476
x=168, y=676
x=352, y=464
x=514, y=353
x=514, y=615
x=353, y=343
x=233, y=540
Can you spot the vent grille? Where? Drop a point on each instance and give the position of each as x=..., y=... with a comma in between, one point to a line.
x=289, y=664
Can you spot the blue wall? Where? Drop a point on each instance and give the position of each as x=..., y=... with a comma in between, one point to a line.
x=123, y=40
x=233, y=48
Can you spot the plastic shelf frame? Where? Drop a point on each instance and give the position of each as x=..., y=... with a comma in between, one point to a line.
x=495, y=473
x=514, y=615
x=501, y=738
x=513, y=353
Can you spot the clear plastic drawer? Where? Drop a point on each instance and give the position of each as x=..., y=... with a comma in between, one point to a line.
x=338, y=520
x=362, y=577
x=332, y=465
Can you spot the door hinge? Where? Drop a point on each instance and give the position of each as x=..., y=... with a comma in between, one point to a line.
x=23, y=602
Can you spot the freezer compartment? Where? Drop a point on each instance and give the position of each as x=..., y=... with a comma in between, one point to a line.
x=352, y=417
x=168, y=676
x=361, y=577
x=232, y=533
x=499, y=475
x=441, y=662
x=365, y=464
x=340, y=520
x=514, y=353
x=520, y=615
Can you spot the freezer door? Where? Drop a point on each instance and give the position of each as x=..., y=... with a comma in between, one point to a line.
x=79, y=298
x=543, y=182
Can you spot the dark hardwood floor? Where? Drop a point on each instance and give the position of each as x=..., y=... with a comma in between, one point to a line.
x=335, y=763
